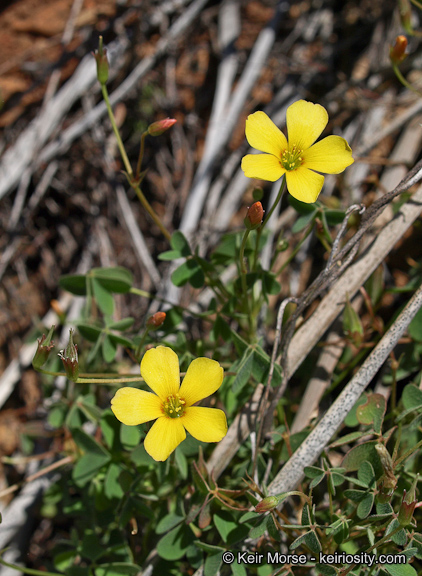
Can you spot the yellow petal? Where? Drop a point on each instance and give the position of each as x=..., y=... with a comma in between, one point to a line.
x=304, y=185
x=305, y=122
x=263, y=134
x=160, y=370
x=331, y=155
x=203, y=378
x=132, y=406
x=262, y=167
x=205, y=424
x=164, y=436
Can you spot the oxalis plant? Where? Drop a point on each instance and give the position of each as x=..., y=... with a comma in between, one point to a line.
x=203, y=475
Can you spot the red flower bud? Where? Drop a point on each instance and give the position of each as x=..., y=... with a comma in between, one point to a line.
x=254, y=216
x=398, y=51
x=156, y=320
x=158, y=128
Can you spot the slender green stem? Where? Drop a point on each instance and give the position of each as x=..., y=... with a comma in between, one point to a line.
x=141, y=343
x=109, y=381
x=293, y=254
x=408, y=454
x=141, y=156
x=145, y=294
x=404, y=81
x=243, y=269
x=151, y=211
x=116, y=131
x=243, y=272
x=277, y=200
x=268, y=216
x=128, y=167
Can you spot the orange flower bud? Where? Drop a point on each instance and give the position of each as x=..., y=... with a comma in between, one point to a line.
x=254, y=216
x=156, y=320
x=398, y=51
x=158, y=128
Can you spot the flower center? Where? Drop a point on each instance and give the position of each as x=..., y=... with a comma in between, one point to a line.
x=174, y=407
x=292, y=159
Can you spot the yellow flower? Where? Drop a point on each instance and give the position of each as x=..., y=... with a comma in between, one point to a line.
x=298, y=157
x=172, y=404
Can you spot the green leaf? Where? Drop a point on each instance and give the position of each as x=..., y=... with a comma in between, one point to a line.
x=103, y=297
x=91, y=411
x=108, y=349
x=366, y=474
x=168, y=522
x=130, y=436
x=178, y=242
x=238, y=569
x=87, y=467
x=372, y=412
x=110, y=428
x=400, y=569
x=169, y=255
x=74, y=283
x=212, y=564
x=112, y=487
x=118, y=569
x=355, y=495
x=317, y=480
x=114, y=279
x=117, y=339
x=87, y=444
x=269, y=283
x=121, y=325
x=325, y=570
x=91, y=547
x=312, y=471
x=399, y=537
x=358, y=454
x=174, y=544
x=365, y=506
x=64, y=559
x=225, y=524
x=411, y=397
x=259, y=530
x=181, y=462
x=303, y=221
x=312, y=542
x=190, y=272
x=88, y=331
x=301, y=207
x=334, y=217
x=94, y=458
x=415, y=327
x=243, y=371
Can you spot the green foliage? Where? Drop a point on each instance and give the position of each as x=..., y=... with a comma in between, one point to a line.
x=124, y=511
